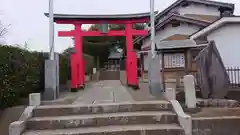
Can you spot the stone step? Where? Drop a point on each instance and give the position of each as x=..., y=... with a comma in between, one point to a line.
x=149, y=129
x=125, y=118
x=63, y=110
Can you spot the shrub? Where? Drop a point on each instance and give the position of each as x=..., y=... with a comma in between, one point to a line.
x=12, y=72
x=22, y=72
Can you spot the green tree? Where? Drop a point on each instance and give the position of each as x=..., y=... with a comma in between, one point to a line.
x=99, y=46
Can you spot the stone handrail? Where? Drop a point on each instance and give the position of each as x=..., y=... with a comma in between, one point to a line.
x=184, y=120
x=17, y=127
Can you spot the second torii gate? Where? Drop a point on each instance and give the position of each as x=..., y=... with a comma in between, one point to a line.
x=77, y=69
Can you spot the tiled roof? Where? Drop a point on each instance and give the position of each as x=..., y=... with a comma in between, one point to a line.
x=216, y=25
x=115, y=55
x=99, y=16
x=175, y=44
x=210, y=18
x=228, y=6
x=176, y=37
x=206, y=2
x=181, y=18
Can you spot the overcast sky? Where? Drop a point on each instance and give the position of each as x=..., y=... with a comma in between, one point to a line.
x=28, y=23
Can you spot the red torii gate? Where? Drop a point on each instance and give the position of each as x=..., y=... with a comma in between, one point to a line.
x=77, y=62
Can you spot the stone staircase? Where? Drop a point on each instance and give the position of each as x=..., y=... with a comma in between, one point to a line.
x=139, y=118
x=109, y=75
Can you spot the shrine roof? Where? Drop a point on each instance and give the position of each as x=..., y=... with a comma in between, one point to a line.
x=177, y=44
x=115, y=55
x=99, y=16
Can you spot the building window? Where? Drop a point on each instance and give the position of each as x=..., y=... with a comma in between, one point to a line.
x=174, y=60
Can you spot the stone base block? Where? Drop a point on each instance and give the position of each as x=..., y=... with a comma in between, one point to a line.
x=34, y=99
x=16, y=128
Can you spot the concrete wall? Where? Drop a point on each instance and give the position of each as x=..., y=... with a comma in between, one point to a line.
x=216, y=126
x=123, y=78
x=170, y=75
x=227, y=41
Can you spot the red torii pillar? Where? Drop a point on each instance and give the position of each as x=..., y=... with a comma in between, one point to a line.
x=77, y=62
x=131, y=62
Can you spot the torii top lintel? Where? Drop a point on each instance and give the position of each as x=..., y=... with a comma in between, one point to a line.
x=98, y=19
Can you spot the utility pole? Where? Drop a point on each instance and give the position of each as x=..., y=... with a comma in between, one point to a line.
x=154, y=74
x=52, y=64
x=51, y=31
x=152, y=19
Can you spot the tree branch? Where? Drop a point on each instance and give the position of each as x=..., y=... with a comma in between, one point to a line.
x=3, y=29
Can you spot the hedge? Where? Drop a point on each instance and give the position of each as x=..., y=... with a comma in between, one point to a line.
x=89, y=63
x=22, y=72
x=88, y=59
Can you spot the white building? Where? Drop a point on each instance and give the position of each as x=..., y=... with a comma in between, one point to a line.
x=225, y=33
x=174, y=27
x=181, y=20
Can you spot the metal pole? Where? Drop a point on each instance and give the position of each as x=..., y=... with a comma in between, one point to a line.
x=51, y=67
x=152, y=28
x=51, y=31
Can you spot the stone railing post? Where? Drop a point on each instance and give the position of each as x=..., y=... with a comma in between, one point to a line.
x=170, y=92
x=190, y=92
x=34, y=99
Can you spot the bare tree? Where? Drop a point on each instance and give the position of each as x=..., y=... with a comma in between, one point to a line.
x=3, y=29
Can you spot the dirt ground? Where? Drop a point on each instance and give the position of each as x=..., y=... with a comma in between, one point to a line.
x=8, y=116
x=215, y=112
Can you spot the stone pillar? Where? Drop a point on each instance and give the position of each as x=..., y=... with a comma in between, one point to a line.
x=34, y=99
x=50, y=80
x=154, y=76
x=123, y=77
x=94, y=71
x=57, y=74
x=190, y=92
x=170, y=92
x=189, y=61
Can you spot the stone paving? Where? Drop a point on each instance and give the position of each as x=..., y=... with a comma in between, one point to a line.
x=106, y=91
